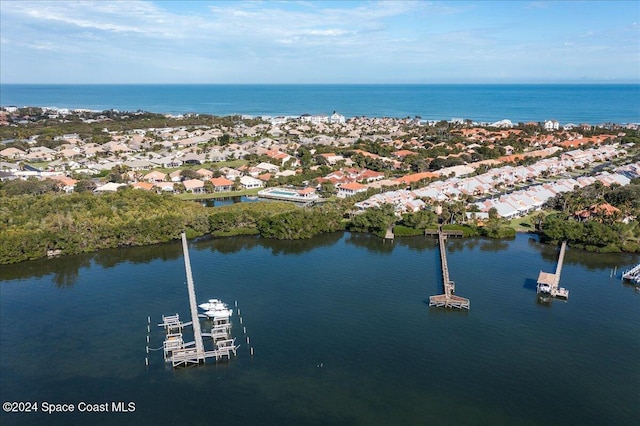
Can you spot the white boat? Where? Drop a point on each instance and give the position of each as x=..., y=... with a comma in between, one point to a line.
x=216, y=309
x=544, y=288
x=213, y=304
x=219, y=313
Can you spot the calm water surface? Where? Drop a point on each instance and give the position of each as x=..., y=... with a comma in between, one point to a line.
x=341, y=332
x=577, y=103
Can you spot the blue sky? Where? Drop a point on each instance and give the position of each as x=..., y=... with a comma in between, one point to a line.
x=319, y=42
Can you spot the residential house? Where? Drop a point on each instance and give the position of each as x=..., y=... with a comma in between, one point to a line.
x=230, y=173
x=139, y=164
x=167, y=162
x=154, y=177
x=416, y=177
x=194, y=185
x=204, y=173
x=9, y=167
x=268, y=167
x=109, y=187
x=281, y=157
x=336, y=118
x=12, y=153
x=194, y=159
x=370, y=176
x=146, y=186
x=221, y=184
x=350, y=189
x=308, y=193
x=551, y=125
x=249, y=182
x=165, y=186
x=65, y=183
x=332, y=158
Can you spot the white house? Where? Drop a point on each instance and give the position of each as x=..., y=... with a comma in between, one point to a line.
x=350, y=189
x=268, y=167
x=248, y=182
x=109, y=187
x=551, y=125
x=336, y=118
x=314, y=119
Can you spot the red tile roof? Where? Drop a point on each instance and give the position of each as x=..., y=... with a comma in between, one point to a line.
x=416, y=177
x=220, y=181
x=353, y=186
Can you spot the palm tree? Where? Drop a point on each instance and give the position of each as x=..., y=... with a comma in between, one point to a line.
x=538, y=220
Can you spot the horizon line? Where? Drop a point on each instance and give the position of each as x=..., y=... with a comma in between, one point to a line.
x=594, y=82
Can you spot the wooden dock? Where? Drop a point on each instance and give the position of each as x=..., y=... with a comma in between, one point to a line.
x=182, y=353
x=193, y=305
x=389, y=234
x=448, y=299
x=548, y=283
x=436, y=232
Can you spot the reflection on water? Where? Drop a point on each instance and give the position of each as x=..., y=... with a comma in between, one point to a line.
x=66, y=269
x=225, y=201
x=67, y=273
x=372, y=244
x=493, y=245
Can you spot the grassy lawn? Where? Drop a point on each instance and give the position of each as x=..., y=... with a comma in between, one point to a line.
x=526, y=223
x=40, y=165
x=214, y=195
x=232, y=164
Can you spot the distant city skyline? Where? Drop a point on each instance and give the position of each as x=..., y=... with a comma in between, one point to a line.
x=315, y=42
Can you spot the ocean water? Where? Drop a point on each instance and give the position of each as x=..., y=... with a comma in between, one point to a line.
x=341, y=331
x=594, y=104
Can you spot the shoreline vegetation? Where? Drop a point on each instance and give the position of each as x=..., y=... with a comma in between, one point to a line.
x=38, y=218
x=39, y=225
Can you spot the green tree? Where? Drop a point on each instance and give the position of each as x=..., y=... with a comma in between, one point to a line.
x=187, y=174
x=376, y=220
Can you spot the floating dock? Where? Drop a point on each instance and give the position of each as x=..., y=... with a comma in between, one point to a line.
x=548, y=283
x=448, y=299
x=181, y=353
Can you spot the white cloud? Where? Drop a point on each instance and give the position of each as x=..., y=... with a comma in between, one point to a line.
x=294, y=41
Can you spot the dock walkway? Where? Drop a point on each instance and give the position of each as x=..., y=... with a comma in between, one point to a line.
x=193, y=305
x=448, y=299
x=548, y=283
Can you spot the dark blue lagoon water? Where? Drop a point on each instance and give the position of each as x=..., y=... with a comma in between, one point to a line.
x=341, y=334
x=589, y=103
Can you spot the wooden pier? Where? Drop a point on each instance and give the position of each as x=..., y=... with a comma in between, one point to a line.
x=436, y=232
x=193, y=305
x=548, y=283
x=182, y=353
x=448, y=299
x=389, y=234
